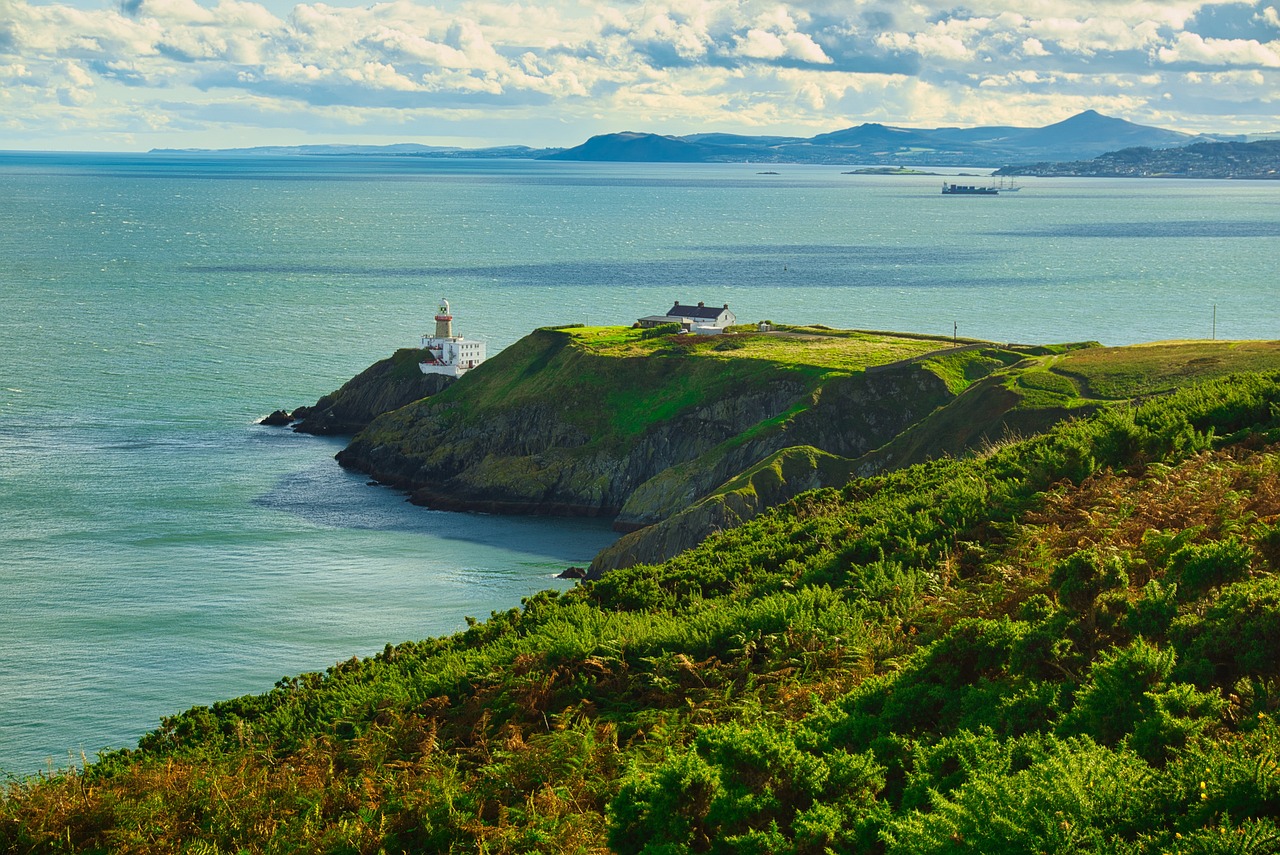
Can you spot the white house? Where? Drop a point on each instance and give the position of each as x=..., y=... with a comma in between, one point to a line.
x=701, y=319
x=447, y=353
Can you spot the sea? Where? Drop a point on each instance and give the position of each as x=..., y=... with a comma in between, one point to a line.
x=159, y=549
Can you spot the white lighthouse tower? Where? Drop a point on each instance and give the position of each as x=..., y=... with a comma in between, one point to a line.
x=446, y=353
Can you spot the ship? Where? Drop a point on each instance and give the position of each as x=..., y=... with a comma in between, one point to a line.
x=968, y=190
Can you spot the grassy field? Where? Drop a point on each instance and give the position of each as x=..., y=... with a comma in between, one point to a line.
x=819, y=347
x=1114, y=373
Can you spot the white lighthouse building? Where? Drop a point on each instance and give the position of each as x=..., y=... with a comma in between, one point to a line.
x=446, y=353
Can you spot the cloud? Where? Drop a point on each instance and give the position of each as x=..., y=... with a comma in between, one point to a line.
x=570, y=66
x=1192, y=49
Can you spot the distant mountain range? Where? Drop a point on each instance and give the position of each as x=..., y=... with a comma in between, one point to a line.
x=1085, y=135
x=1080, y=137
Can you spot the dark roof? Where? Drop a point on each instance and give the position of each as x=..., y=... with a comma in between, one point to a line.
x=698, y=311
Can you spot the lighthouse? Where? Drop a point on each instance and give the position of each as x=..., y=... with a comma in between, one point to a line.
x=444, y=321
x=446, y=353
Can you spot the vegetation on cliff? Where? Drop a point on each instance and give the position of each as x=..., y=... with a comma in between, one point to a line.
x=993, y=394
x=1064, y=644
x=575, y=420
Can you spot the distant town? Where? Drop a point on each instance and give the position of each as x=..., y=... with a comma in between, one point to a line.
x=1259, y=159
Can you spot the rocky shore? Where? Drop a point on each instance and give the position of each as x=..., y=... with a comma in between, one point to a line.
x=387, y=385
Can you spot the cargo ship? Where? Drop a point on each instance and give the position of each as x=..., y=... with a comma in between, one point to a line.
x=968, y=190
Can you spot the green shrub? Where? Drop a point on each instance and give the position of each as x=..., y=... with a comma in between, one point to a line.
x=742, y=790
x=661, y=330
x=1152, y=614
x=1198, y=567
x=1176, y=714
x=1083, y=575
x=1237, y=636
x=1115, y=698
x=1078, y=798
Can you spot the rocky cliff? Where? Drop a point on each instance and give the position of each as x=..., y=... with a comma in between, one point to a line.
x=905, y=429
x=387, y=385
x=618, y=423
x=676, y=437
x=552, y=426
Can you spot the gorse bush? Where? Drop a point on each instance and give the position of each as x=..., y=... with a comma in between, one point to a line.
x=661, y=330
x=1069, y=644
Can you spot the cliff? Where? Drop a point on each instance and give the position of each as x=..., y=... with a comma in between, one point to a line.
x=678, y=437
x=995, y=396
x=387, y=385
x=610, y=422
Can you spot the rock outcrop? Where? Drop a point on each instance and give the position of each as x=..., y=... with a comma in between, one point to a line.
x=532, y=430
x=277, y=418
x=387, y=385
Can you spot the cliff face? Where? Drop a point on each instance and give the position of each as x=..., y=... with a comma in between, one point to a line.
x=887, y=421
x=655, y=432
x=677, y=437
x=848, y=415
x=533, y=431
x=387, y=385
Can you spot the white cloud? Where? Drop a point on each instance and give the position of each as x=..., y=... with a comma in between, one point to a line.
x=1033, y=47
x=1193, y=48
x=680, y=64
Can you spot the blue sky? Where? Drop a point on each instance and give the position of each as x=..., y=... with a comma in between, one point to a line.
x=137, y=74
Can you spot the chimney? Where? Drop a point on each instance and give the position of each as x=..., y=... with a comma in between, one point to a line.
x=701, y=304
x=726, y=305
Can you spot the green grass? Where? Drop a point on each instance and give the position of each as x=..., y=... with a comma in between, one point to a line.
x=960, y=369
x=844, y=350
x=1113, y=373
x=1041, y=387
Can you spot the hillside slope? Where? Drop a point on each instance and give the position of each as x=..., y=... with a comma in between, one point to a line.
x=623, y=423
x=1067, y=644
x=992, y=400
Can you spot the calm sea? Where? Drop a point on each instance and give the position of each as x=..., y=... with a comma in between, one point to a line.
x=159, y=550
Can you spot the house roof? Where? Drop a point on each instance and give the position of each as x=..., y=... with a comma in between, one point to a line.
x=698, y=311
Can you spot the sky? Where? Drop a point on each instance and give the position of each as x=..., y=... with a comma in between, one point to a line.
x=126, y=75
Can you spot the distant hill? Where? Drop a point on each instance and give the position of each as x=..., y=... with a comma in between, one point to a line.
x=1200, y=160
x=1091, y=129
x=648, y=148
x=1082, y=136
x=1078, y=138
x=341, y=150
x=330, y=150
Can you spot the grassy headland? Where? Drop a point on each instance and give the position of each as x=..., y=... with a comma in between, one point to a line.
x=575, y=420
x=1064, y=644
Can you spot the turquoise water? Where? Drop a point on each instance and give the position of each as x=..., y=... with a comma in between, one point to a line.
x=158, y=549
